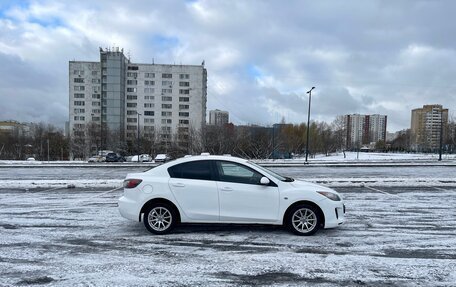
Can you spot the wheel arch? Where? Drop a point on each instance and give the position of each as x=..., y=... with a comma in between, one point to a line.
x=156, y=201
x=313, y=204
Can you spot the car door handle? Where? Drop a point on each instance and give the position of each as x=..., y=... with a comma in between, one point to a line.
x=178, y=184
x=227, y=188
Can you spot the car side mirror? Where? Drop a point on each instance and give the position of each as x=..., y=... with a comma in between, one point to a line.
x=264, y=180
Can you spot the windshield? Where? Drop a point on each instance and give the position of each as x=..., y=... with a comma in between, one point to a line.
x=276, y=175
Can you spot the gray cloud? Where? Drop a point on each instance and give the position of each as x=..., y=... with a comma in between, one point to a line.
x=363, y=56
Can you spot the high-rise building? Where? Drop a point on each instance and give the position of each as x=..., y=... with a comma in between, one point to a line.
x=218, y=117
x=364, y=129
x=116, y=98
x=428, y=124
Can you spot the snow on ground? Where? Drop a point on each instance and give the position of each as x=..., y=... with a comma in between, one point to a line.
x=334, y=157
x=328, y=181
x=375, y=156
x=392, y=237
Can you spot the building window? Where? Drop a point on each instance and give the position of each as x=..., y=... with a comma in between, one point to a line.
x=131, y=128
x=184, y=99
x=148, y=113
x=79, y=111
x=149, y=105
x=131, y=105
x=96, y=111
x=166, y=121
x=149, y=83
x=78, y=72
x=167, y=106
x=79, y=96
x=149, y=75
x=184, y=122
x=132, y=120
x=149, y=90
x=167, y=76
x=148, y=121
x=79, y=103
x=149, y=97
x=79, y=80
x=95, y=96
x=184, y=107
x=133, y=68
x=184, y=76
x=184, y=84
x=132, y=82
x=167, y=99
x=167, y=114
x=166, y=129
x=95, y=81
x=167, y=91
x=167, y=83
x=183, y=114
x=79, y=88
x=131, y=113
x=132, y=74
x=131, y=90
x=95, y=104
x=132, y=97
x=184, y=92
x=79, y=118
x=96, y=89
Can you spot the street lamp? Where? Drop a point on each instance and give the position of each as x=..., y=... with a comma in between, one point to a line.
x=138, y=134
x=308, y=123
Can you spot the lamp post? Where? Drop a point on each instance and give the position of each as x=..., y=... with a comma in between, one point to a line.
x=308, y=123
x=138, y=134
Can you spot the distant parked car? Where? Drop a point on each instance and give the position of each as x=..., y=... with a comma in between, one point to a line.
x=162, y=158
x=225, y=189
x=114, y=157
x=142, y=158
x=31, y=159
x=96, y=158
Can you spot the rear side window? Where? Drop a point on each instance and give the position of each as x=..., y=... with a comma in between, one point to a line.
x=192, y=170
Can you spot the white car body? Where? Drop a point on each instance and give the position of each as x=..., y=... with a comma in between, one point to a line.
x=218, y=201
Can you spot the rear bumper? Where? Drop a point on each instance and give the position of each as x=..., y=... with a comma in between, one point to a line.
x=128, y=209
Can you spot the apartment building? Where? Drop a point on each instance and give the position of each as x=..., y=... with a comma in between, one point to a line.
x=428, y=124
x=218, y=117
x=364, y=129
x=123, y=99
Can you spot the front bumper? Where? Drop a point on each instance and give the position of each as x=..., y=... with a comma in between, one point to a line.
x=334, y=212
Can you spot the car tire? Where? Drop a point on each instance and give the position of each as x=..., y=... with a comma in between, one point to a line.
x=160, y=218
x=303, y=220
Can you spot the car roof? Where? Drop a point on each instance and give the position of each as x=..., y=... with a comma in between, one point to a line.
x=207, y=157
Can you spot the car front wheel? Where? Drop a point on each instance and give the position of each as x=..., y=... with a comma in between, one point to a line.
x=303, y=220
x=160, y=218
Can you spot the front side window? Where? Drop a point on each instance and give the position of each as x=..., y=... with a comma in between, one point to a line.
x=235, y=172
x=192, y=170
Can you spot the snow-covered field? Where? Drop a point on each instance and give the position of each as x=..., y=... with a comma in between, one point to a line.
x=349, y=157
x=402, y=236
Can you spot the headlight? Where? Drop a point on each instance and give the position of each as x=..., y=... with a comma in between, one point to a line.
x=330, y=195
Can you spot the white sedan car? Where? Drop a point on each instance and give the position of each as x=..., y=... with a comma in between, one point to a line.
x=225, y=189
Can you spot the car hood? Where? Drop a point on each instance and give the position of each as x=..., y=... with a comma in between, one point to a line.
x=305, y=185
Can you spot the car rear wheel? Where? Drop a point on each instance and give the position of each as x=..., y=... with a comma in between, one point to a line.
x=303, y=220
x=160, y=218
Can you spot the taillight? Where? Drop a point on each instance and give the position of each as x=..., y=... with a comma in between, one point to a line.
x=131, y=183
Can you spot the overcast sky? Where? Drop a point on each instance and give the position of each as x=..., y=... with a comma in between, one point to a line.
x=366, y=57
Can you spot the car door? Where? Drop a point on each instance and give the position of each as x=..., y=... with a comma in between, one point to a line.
x=193, y=186
x=242, y=197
